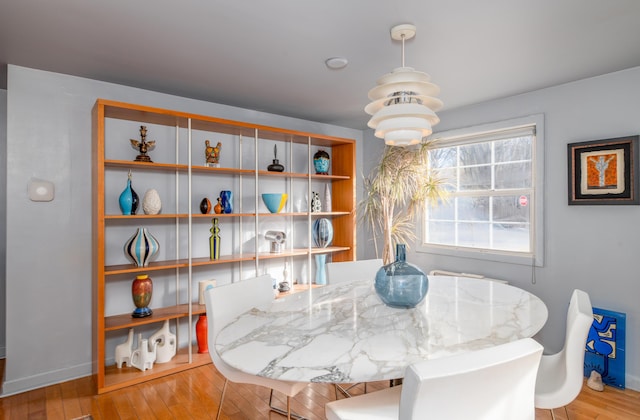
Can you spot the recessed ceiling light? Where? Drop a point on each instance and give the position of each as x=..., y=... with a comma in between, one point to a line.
x=336, y=63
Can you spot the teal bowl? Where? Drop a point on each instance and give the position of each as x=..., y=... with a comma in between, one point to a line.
x=275, y=202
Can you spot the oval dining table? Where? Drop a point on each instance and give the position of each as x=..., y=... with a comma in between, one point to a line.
x=344, y=333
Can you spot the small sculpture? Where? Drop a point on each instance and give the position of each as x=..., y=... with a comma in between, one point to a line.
x=212, y=154
x=595, y=381
x=275, y=166
x=143, y=145
x=205, y=206
x=123, y=351
x=316, y=204
x=277, y=240
x=166, y=343
x=217, y=209
x=143, y=358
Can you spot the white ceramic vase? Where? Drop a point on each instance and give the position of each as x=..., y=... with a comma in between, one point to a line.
x=166, y=343
x=151, y=203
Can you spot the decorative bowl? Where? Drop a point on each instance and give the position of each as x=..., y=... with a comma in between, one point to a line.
x=275, y=201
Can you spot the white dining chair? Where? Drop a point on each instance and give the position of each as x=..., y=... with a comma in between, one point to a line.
x=345, y=271
x=340, y=272
x=225, y=303
x=488, y=384
x=561, y=375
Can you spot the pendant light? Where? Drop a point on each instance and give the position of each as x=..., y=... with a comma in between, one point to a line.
x=403, y=102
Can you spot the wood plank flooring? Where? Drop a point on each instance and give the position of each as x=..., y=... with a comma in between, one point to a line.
x=194, y=394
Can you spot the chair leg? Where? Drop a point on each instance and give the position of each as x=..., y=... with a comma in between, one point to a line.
x=224, y=389
x=288, y=412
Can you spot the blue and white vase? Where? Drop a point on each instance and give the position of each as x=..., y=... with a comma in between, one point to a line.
x=141, y=248
x=400, y=284
x=322, y=232
x=227, y=199
x=128, y=199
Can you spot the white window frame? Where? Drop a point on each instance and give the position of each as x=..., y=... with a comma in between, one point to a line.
x=483, y=133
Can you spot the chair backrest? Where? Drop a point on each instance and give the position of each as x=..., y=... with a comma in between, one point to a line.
x=579, y=321
x=224, y=303
x=340, y=272
x=492, y=383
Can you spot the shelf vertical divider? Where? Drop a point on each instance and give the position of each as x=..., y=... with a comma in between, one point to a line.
x=189, y=243
x=240, y=207
x=177, y=222
x=256, y=193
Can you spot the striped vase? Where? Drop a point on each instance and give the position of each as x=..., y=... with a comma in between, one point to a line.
x=141, y=248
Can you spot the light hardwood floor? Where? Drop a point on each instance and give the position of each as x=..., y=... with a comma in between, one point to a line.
x=194, y=394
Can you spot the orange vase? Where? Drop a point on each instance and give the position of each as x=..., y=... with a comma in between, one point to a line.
x=201, y=334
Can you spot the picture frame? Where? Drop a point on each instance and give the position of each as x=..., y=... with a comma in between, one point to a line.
x=604, y=172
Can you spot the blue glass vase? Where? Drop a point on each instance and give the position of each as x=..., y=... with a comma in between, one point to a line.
x=226, y=197
x=400, y=284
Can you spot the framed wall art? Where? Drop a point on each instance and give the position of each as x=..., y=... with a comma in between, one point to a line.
x=604, y=171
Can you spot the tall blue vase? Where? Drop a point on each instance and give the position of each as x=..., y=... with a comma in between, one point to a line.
x=321, y=271
x=227, y=200
x=400, y=284
x=128, y=199
x=141, y=248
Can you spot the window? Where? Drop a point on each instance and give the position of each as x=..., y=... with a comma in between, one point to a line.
x=493, y=179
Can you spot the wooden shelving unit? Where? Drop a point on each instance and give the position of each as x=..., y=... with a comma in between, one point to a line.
x=179, y=164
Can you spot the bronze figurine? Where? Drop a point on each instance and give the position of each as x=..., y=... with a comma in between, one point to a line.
x=143, y=145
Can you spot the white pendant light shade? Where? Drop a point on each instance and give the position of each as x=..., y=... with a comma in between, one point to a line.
x=403, y=102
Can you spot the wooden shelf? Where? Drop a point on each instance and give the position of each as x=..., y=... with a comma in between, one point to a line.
x=224, y=259
x=177, y=182
x=115, y=378
x=118, y=322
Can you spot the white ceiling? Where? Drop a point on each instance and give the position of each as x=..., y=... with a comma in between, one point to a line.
x=269, y=55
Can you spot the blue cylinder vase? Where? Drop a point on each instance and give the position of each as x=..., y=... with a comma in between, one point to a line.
x=141, y=248
x=400, y=284
x=227, y=199
x=321, y=271
x=128, y=199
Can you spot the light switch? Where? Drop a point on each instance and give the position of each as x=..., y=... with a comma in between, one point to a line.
x=40, y=190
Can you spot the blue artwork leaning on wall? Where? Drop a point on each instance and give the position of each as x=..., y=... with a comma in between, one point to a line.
x=605, y=347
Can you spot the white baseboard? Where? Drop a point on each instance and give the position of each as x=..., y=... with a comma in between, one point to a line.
x=12, y=387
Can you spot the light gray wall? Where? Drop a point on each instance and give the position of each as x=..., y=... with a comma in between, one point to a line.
x=48, y=273
x=594, y=248
x=3, y=224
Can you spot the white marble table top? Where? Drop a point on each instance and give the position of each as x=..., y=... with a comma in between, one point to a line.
x=344, y=333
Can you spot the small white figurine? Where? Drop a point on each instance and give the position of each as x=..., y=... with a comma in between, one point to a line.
x=142, y=358
x=123, y=351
